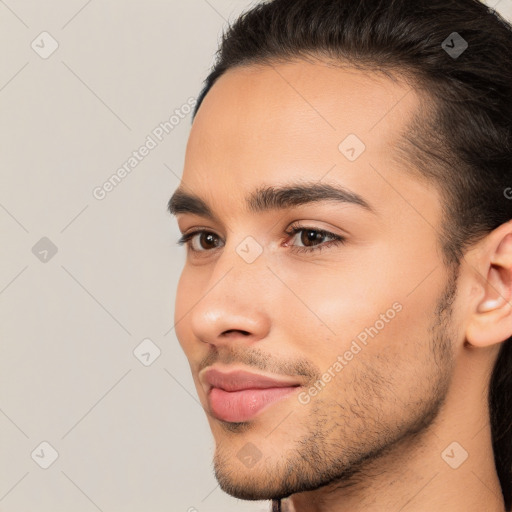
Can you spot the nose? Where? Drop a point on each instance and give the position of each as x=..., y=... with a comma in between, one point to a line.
x=234, y=304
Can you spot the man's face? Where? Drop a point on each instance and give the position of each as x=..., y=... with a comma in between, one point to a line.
x=354, y=323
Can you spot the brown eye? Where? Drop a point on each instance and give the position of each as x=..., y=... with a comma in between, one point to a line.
x=312, y=239
x=206, y=240
x=199, y=241
x=310, y=236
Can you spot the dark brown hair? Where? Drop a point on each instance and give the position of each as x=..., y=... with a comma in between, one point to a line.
x=461, y=139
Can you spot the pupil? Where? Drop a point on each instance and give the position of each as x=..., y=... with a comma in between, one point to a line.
x=209, y=238
x=311, y=236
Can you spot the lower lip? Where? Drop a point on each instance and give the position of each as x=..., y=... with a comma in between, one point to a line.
x=238, y=406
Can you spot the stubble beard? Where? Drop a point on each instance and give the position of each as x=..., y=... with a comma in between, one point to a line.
x=332, y=453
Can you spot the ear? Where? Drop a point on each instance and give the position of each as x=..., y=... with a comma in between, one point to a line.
x=491, y=320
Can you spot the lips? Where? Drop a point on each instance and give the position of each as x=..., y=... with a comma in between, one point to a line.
x=239, y=396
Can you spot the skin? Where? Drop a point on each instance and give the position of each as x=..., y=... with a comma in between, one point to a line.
x=373, y=438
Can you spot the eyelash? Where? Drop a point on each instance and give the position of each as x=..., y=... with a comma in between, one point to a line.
x=294, y=230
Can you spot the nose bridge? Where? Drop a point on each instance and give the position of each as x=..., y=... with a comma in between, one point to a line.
x=240, y=271
x=234, y=295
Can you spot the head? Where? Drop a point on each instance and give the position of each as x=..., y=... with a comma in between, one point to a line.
x=357, y=128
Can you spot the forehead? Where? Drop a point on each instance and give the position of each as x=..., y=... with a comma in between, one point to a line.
x=271, y=124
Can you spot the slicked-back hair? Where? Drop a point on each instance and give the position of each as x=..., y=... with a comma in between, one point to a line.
x=461, y=136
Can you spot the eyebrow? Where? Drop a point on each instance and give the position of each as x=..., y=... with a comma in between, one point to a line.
x=267, y=198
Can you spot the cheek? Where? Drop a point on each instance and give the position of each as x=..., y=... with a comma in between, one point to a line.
x=326, y=304
x=361, y=301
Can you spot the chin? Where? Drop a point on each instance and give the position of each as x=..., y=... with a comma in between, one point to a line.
x=251, y=486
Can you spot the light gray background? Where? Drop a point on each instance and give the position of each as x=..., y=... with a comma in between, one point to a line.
x=129, y=437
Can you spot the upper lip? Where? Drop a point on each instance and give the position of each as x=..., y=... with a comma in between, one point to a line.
x=239, y=379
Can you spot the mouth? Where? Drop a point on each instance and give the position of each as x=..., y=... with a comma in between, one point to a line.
x=239, y=396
